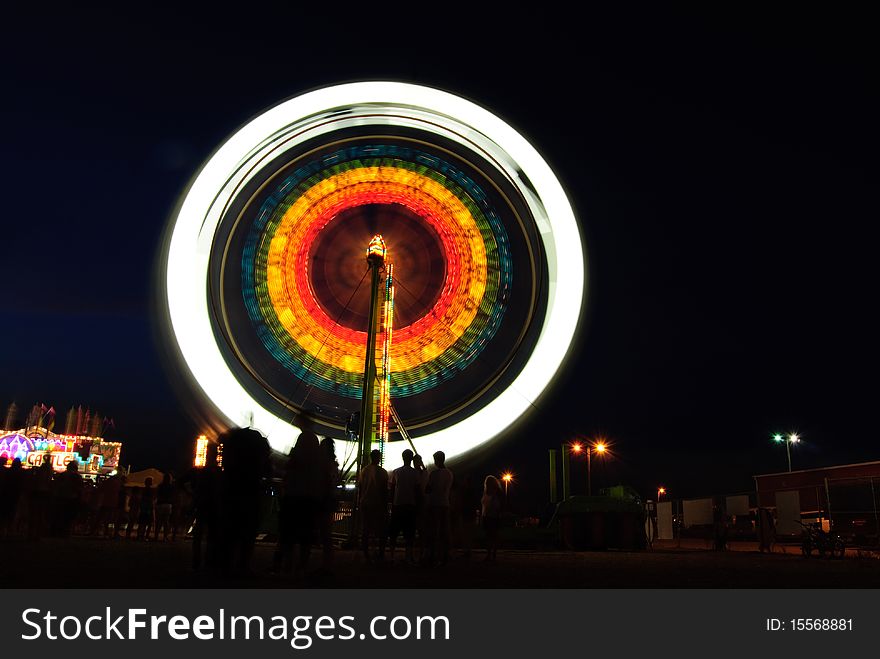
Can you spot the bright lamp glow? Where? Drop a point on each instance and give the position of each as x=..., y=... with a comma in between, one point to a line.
x=794, y=438
x=777, y=437
x=317, y=114
x=576, y=447
x=600, y=447
x=201, y=457
x=507, y=477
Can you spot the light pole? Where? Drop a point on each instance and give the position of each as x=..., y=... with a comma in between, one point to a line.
x=598, y=447
x=793, y=438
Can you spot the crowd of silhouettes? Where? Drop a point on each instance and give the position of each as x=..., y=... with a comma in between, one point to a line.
x=222, y=508
x=40, y=502
x=429, y=508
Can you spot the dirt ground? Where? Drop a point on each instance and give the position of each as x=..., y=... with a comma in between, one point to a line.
x=83, y=562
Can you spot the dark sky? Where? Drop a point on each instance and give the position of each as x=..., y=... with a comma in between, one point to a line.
x=724, y=168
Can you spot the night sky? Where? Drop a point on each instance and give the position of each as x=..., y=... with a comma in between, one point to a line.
x=724, y=169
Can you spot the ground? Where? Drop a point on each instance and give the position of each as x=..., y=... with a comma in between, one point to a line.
x=82, y=562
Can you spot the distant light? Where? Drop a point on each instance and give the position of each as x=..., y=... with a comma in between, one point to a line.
x=793, y=438
x=600, y=447
x=507, y=477
x=576, y=447
x=777, y=437
x=201, y=457
x=661, y=490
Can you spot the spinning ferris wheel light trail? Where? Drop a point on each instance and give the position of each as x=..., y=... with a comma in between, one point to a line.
x=264, y=258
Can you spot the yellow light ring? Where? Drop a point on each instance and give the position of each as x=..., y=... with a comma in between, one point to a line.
x=452, y=252
x=285, y=257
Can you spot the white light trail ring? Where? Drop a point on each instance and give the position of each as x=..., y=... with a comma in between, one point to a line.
x=311, y=115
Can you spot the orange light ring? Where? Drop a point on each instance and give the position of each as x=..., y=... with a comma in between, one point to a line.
x=299, y=328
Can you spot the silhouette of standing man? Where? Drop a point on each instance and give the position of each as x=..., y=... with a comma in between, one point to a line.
x=437, y=491
x=373, y=486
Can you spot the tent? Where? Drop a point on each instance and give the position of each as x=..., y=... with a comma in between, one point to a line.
x=137, y=478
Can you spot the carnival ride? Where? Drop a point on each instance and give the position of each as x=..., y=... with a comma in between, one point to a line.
x=474, y=259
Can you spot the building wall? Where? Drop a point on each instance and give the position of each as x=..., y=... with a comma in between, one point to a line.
x=810, y=483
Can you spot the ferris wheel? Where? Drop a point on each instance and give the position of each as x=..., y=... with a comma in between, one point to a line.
x=267, y=286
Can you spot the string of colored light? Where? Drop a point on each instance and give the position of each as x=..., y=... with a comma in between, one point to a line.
x=292, y=324
x=385, y=383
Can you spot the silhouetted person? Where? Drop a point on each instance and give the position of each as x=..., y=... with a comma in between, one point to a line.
x=283, y=557
x=421, y=508
x=4, y=470
x=121, y=508
x=11, y=488
x=6, y=515
x=108, y=492
x=134, y=510
x=490, y=514
x=305, y=489
x=181, y=510
x=90, y=505
x=245, y=466
x=437, y=492
x=328, y=508
x=719, y=528
x=206, y=486
x=164, y=507
x=147, y=515
x=41, y=496
x=68, y=489
x=766, y=530
x=405, y=495
x=373, y=499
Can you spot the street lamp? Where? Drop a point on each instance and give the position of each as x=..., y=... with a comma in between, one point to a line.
x=793, y=438
x=600, y=448
x=506, y=477
x=660, y=492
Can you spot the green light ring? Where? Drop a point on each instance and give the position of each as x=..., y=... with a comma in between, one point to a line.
x=326, y=376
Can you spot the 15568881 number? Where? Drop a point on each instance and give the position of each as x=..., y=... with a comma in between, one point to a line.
x=821, y=624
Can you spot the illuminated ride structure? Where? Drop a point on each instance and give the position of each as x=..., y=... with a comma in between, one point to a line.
x=81, y=442
x=277, y=316
x=376, y=409
x=95, y=456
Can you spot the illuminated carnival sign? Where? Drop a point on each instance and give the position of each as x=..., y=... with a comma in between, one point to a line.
x=58, y=459
x=93, y=455
x=15, y=446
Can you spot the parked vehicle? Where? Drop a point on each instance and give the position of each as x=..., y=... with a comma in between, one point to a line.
x=826, y=545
